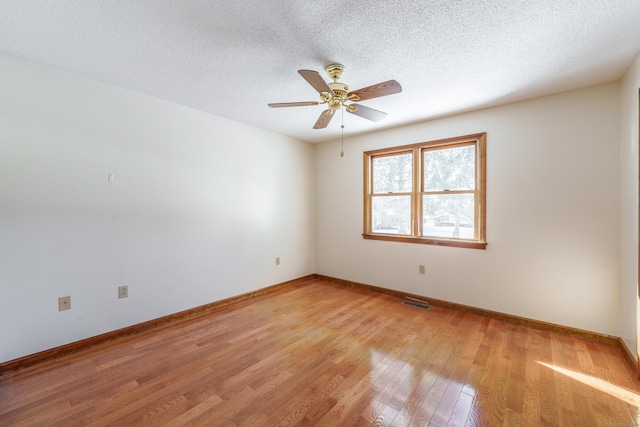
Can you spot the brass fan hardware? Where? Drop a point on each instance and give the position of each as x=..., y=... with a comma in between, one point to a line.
x=336, y=95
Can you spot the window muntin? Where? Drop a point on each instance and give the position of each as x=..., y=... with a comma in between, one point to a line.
x=432, y=192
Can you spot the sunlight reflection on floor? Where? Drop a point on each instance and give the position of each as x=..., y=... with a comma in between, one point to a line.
x=616, y=391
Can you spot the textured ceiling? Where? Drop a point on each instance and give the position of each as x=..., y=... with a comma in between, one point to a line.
x=231, y=58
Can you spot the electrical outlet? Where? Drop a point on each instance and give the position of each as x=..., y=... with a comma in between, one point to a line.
x=64, y=303
x=123, y=291
x=421, y=269
x=277, y=260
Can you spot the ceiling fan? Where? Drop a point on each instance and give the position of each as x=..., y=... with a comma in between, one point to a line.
x=336, y=95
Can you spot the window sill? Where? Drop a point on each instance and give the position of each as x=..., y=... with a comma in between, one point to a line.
x=458, y=243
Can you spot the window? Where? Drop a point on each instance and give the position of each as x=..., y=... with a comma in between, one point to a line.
x=432, y=192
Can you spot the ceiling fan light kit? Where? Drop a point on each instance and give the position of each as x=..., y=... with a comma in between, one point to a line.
x=337, y=95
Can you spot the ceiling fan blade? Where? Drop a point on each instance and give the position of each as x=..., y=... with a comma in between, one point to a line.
x=367, y=113
x=315, y=80
x=324, y=119
x=293, y=104
x=381, y=89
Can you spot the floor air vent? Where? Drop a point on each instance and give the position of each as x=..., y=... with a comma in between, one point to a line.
x=413, y=302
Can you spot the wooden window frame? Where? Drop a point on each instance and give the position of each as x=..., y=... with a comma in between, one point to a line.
x=479, y=140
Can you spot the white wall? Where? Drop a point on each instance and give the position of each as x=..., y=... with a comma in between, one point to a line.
x=629, y=205
x=198, y=211
x=552, y=213
x=175, y=224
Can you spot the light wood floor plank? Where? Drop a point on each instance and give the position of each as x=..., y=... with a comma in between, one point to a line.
x=319, y=353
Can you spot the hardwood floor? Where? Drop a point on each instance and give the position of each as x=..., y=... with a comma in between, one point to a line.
x=322, y=354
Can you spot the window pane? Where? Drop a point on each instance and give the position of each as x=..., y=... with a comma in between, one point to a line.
x=450, y=169
x=391, y=214
x=392, y=174
x=448, y=215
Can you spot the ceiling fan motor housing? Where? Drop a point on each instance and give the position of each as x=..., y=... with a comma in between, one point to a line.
x=338, y=88
x=336, y=99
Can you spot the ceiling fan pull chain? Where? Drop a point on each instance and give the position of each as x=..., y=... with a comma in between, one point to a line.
x=342, y=132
